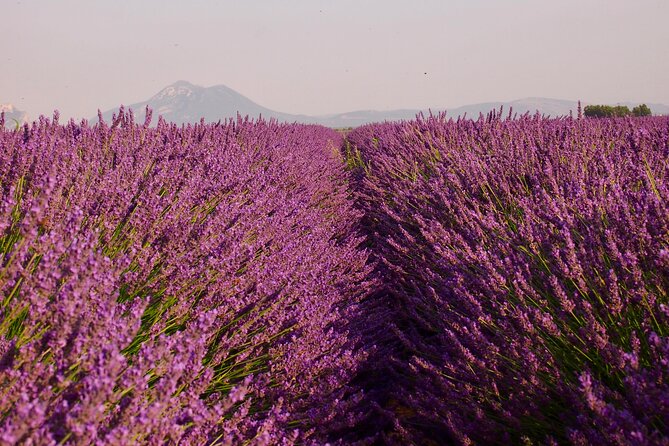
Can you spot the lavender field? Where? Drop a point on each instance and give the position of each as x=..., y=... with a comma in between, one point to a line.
x=428, y=282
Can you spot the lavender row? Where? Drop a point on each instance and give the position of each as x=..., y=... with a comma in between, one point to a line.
x=180, y=285
x=525, y=265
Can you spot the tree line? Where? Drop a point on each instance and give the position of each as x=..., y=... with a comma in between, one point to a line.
x=618, y=111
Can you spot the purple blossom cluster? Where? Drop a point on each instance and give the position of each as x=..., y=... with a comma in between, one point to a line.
x=176, y=284
x=524, y=266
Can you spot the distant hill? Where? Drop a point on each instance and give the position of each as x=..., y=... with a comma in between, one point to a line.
x=183, y=102
x=13, y=115
x=552, y=107
x=545, y=106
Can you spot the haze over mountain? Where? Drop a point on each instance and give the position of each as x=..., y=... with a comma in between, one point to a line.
x=183, y=102
x=13, y=115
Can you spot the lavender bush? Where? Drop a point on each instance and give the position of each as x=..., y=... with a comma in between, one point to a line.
x=525, y=265
x=179, y=285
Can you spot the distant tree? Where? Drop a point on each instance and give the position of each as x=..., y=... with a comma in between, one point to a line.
x=620, y=111
x=597, y=111
x=641, y=110
x=591, y=111
x=606, y=111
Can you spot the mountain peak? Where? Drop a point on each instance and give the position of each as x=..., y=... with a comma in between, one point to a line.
x=13, y=115
x=179, y=88
x=183, y=83
x=183, y=102
x=7, y=108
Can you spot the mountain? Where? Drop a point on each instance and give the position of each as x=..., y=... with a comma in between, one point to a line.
x=183, y=102
x=13, y=116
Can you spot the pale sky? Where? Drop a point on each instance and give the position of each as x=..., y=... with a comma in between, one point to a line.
x=329, y=56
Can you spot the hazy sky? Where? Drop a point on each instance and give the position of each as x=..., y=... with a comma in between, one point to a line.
x=318, y=56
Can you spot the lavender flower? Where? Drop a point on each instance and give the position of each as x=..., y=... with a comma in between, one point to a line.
x=525, y=278
x=187, y=285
